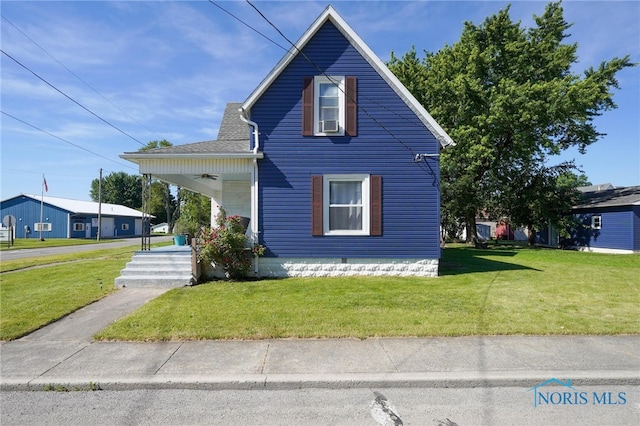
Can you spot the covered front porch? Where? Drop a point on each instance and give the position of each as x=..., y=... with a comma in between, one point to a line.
x=225, y=170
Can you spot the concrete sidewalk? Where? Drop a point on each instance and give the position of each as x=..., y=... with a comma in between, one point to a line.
x=63, y=354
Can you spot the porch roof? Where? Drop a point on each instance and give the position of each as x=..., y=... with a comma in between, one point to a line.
x=203, y=166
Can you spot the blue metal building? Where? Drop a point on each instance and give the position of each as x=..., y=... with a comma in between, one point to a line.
x=66, y=218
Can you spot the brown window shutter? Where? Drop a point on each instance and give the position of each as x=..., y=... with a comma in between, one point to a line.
x=351, y=119
x=317, y=228
x=375, y=213
x=307, y=107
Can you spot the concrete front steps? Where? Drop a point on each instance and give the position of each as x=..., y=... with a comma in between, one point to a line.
x=163, y=267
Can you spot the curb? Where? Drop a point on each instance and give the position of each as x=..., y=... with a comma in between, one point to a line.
x=438, y=380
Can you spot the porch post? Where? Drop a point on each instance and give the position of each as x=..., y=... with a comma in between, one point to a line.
x=255, y=238
x=146, y=216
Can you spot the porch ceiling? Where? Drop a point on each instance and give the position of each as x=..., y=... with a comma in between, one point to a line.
x=202, y=175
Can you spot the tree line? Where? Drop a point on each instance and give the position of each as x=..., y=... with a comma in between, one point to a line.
x=184, y=211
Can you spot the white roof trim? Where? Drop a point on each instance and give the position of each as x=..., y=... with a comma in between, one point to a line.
x=330, y=14
x=212, y=156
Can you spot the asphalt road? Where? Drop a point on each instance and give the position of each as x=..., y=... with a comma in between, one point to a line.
x=36, y=252
x=393, y=406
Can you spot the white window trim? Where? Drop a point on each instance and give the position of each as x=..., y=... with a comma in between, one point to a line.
x=596, y=218
x=46, y=227
x=340, y=80
x=366, y=204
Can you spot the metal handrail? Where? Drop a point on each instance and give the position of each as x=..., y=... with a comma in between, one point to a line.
x=196, y=267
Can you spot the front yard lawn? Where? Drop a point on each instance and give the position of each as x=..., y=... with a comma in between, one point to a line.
x=501, y=290
x=37, y=291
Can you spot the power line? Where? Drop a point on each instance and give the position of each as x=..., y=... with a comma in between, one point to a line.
x=70, y=98
x=66, y=141
x=247, y=25
x=78, y=77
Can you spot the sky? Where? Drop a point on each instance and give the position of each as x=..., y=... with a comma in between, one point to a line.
x=84, y=81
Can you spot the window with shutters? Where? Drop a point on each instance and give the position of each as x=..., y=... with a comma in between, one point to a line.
x=346, y=205
x=329, y=106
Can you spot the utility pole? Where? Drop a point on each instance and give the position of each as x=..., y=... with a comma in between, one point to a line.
x=100, y=205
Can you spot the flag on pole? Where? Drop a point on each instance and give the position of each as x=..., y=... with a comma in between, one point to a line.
x=44, y=184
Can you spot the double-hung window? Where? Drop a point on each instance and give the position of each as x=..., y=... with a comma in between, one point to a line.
x=346, y=204
x=329, y=105
x=596, y=222
x=349, y=204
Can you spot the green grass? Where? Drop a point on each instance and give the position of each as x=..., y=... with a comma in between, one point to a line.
x=502, y=290
x=44, y=289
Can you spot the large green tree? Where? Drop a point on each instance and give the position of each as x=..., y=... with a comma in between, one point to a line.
x=118, y=188
x=509, y=98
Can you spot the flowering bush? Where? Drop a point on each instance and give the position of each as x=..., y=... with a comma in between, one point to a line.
x=227, y=246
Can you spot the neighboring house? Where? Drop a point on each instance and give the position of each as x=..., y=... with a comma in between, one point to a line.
x=65, y=218
x=161, y=228
x=610, y=219
x=332, y=159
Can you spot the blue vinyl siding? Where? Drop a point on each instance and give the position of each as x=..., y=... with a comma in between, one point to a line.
x=616, y=231
x=636, y=228
x=410, y=190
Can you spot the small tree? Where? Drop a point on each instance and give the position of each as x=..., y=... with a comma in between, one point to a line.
x=195, y=212
x=227, y=246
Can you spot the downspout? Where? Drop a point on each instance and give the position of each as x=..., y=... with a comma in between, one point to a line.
x=254, y=185
x=245, y=119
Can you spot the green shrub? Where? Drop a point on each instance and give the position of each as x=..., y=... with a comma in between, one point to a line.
x=227, y=246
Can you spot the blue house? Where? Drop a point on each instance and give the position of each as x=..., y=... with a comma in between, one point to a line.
x=332, y=159
x=65, y=218
x=610, y=220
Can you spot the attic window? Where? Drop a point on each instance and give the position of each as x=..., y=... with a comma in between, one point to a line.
x=329, y=106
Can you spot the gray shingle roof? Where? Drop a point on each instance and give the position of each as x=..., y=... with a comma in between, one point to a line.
x=599, y=187
x=233, y=137
x=617, y=197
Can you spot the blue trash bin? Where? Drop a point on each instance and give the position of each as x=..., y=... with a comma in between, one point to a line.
x=179, y=240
